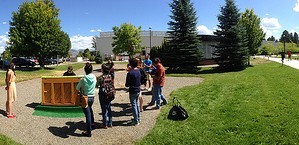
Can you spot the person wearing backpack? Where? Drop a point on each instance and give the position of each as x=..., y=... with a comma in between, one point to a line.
x=87, y=86
x=105, y=82
x=133, y=82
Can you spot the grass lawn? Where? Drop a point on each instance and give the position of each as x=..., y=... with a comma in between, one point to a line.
x=259, y=105
x=31, y=73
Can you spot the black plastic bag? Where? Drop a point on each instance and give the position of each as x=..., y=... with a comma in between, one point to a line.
x=177, y=112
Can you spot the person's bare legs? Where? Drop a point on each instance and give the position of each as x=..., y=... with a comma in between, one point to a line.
x=140, y=103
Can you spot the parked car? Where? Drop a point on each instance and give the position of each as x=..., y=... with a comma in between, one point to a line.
x=49, y=61
x=4, y=64
x=23, y=62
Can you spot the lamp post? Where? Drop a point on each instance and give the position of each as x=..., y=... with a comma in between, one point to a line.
x=150, y=30
x=284, y=48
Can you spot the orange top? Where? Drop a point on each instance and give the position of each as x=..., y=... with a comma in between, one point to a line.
x=159, y=78
x=11, y=77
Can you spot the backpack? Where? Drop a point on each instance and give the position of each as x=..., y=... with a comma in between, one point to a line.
x=143, y=76
x=109, y=89
x=177, y=112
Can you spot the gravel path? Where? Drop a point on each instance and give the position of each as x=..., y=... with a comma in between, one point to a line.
x=34, y=130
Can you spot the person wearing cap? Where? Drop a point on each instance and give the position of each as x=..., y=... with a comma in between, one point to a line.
x=69, y=72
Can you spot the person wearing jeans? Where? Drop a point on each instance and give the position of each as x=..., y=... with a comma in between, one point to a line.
x=106, y=110
x=105, y=106
x=158, y=83
x=157, y=92
x=87, y=86
x=133, y=81
x=88, y=112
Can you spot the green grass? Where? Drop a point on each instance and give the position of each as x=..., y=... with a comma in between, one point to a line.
x=7, y=141
x=256, y=106
x=31, y=73
x=58, y=111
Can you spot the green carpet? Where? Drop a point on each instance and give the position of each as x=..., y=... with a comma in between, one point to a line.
x=59, y=111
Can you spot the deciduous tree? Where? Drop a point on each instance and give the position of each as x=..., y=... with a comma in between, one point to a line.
x=254, y=33
x=35, y=31
x=127, y=39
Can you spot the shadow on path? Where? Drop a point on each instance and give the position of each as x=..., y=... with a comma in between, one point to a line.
x=32, y=105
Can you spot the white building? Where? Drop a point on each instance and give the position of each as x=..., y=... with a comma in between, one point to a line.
x=104, y=43
x=148, y=40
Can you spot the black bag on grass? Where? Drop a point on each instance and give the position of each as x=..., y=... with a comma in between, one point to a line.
x=177, y=112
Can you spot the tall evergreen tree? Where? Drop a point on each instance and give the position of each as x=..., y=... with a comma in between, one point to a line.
x=285, y=36
x=183, y=54
x=296, y=38
x=272, y=38
x=231, y=50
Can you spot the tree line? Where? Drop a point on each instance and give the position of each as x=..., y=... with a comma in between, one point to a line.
x=36, y=32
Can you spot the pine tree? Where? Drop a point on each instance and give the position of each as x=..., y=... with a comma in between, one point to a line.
x=183, y=53
x=296, y=38
x=231, y=50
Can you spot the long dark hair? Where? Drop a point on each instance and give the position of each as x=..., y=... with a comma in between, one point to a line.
x=12, y=67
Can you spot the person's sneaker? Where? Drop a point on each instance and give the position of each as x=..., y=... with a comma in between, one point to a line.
x=109, y=126
x=151, y=103
x=103, y=127
x=132, y=123
x=86, y=133
x=164, y=103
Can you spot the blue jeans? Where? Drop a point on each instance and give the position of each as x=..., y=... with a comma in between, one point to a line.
x=89, y=114
x=106, y=109
x=157, y=94
x=135, y=106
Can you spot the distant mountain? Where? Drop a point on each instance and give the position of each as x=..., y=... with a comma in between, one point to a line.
x=74, y=52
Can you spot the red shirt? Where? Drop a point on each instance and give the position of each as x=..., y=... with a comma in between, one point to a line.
x=159, y=77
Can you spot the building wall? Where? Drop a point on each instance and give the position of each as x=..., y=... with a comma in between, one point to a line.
x=104, y=42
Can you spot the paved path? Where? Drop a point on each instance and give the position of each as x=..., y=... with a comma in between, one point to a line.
x=36, y=130
x=292, y=63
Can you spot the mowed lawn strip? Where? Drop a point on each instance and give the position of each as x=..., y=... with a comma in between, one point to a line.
x=32, y=73
x=259, y=105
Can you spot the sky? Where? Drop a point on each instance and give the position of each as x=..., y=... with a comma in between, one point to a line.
x=83, y=19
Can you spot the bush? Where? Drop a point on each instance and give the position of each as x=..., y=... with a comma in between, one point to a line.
x=98, y=59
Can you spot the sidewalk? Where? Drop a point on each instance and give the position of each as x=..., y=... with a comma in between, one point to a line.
x=292, y=63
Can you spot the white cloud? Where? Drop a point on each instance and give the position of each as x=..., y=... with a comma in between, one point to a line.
x=98, y=30
x=271, y=23
x=270, y=26
x=81, y=42
x=267, y=14
x=4, y=23
x=204, y=30
x=296, y=8
x=3, y=39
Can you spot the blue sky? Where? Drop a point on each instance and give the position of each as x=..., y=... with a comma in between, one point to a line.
x=84, y=19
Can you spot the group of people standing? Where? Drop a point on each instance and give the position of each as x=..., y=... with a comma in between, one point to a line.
x=154, y=69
